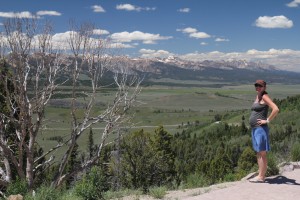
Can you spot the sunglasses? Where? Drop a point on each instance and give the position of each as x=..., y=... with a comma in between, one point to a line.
x=258, y=85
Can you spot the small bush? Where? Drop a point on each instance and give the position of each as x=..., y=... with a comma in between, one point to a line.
x=92, y=185
x=272, y=165
x=70, y=195
x=87, y=190
x=121, y=193
x=229, y=177
x=43, y=194
x=17, y=187
x=158, y=192
x=247, y=160
x=196, y=180
x=295, y=152
x=46, y=193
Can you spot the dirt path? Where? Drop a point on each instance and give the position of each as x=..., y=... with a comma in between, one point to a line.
x=282, y=187
x=285, y=186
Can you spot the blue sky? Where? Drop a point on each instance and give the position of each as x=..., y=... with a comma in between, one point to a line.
x=254, y=30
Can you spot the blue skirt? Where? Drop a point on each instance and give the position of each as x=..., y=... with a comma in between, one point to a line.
x=260, y=138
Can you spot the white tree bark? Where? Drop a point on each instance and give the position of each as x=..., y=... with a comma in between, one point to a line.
x=93, y=54
x=36, y=66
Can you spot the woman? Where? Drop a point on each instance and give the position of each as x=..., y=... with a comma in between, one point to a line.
x=259, y=120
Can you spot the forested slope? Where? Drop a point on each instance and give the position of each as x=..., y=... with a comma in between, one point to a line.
x=203, y=154
x=199, y=155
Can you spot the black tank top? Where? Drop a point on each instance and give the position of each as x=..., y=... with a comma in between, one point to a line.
x=259, y=111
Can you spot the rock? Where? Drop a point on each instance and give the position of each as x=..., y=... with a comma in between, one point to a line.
x=15, y=197
x=296, y=164
x=249, y=176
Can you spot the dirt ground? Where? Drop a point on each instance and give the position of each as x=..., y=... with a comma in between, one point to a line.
x=285, y=186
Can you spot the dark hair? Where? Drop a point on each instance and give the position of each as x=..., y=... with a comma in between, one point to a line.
x=261, y=94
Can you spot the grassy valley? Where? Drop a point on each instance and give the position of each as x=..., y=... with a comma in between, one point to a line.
x=169, y=106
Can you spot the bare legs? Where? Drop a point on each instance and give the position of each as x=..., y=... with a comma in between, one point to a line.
x=262, y=164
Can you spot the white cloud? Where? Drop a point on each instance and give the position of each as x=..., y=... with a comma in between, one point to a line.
x=293, y=4
x=27, y=14
x=203, y=43
x=48, y=12
x=188, y=30
x=149, y=42
x=149, y=8
x=97, y=8
x=273, y=22
x=194, y=33
x=24, y=14
x=200, y=35
x=130, y=7
x=146, y=38
x=100, y=32
x=221, y=40
x=118, y=45
x=184, y=10
x=127, y=7
x=118, y=39
x=149, y=53
x=60, y=40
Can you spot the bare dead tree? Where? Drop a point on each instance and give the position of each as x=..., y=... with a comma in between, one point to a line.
x=36, y=67
x=95, y=54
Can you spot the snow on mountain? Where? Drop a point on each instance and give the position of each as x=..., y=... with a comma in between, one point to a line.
x=148, y=65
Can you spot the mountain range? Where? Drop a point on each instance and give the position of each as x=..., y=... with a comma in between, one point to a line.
x=229, y=71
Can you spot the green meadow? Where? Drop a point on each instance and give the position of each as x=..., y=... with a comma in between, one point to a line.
x=169, y=105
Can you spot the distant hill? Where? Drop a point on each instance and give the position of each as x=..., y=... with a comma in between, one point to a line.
x=235, y=71
x=217, y=73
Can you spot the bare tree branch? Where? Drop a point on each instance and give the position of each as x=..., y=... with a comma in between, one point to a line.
x=37, y=69
x=34, y=67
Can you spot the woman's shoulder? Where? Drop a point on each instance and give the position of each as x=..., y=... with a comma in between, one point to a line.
x=266, y=98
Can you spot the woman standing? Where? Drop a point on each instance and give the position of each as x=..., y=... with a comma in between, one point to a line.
x=259, y=120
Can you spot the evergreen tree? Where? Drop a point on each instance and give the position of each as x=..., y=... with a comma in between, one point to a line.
x=138, y=160
x=220, y=166
x=247, y=160
x=91, y=143
x=73, y=163
x=164, y=155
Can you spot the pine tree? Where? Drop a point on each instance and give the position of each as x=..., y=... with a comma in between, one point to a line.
x=162, y=144
x=91, y=143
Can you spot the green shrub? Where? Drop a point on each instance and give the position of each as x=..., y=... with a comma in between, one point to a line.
x=295, y=152
x=158, y=192
x=92, y=185
x=46, y=193
x=70, y=195
x=220, y=166
x=247, y=160
x=87, y=190
x=121, y=193
x=272, y=165
x=196, y=180
x=17, y=187
x=229, y=177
